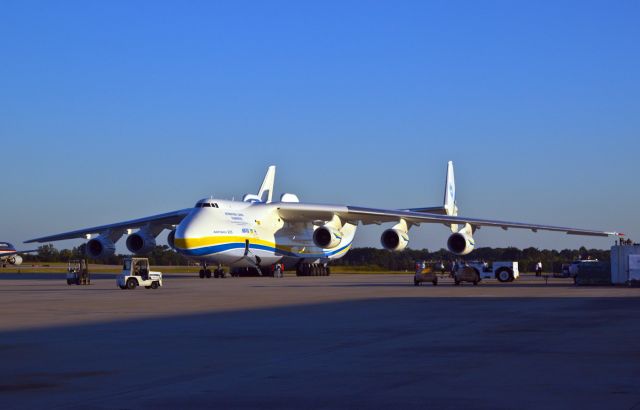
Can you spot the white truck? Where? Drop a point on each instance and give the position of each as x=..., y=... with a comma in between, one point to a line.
x=136, y=272
x=574, y=267
x=503, y=271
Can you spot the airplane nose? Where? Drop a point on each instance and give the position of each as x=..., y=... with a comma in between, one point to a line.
x=189, y=231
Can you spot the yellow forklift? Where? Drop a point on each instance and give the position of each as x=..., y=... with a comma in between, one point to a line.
x=78, y=272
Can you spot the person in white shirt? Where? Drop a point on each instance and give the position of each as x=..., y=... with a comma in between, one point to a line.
x=539, y=268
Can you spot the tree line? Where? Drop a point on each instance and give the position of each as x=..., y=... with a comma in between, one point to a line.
x=160, y=255
x=374, y=258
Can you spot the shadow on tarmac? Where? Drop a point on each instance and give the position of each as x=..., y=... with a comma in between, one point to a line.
x=376, y=353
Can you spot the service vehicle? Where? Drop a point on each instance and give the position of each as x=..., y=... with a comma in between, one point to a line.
x=564, y=271
x=425, y=273
x=78, y=272
x=574, y=267
x=504, y=271
x=136, y=272
x=466, y=273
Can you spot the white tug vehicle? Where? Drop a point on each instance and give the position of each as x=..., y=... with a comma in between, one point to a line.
x=135, y=272
x=503, y=271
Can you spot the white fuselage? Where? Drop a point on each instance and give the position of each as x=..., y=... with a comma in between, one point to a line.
x=241, y=234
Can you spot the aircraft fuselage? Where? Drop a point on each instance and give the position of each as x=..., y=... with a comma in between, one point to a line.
x=242, y=234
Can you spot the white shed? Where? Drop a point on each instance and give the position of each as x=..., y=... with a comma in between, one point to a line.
x=620, y=256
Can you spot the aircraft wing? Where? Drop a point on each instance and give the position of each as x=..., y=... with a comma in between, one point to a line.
x=165, y=220
x=298, y=212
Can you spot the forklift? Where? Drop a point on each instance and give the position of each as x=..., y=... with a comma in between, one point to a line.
x=78, y=272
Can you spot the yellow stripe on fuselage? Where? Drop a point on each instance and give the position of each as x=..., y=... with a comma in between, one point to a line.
x=193, y=243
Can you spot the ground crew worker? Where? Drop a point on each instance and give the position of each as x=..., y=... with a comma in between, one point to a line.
x=539, y=268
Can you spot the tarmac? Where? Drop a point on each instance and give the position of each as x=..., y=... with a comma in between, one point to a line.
x=344, y=341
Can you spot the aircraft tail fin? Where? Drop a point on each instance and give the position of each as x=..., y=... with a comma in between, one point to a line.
x=267, y=185
x=450, y=205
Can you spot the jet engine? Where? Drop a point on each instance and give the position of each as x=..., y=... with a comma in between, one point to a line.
x=460, y=243
x=394, y=239
x=327, y=237
x=100, y=247
x=141, y=242
x=171, y=239
x=15, y=260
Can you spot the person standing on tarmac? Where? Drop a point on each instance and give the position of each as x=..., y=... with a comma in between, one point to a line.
x=539, y=268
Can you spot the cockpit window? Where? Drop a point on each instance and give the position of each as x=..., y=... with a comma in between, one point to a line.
x=206, y=205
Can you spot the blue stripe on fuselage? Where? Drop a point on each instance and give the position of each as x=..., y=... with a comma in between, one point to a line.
x=211, y=250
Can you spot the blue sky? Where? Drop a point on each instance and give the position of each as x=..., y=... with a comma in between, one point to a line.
x=115, y=110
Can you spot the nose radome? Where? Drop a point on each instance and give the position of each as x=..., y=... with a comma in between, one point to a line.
x=192, y=228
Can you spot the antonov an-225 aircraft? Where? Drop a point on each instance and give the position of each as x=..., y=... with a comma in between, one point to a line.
x=258, y=232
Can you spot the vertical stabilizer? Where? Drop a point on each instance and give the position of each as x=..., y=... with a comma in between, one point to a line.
x=450, y=192
x=267, y=185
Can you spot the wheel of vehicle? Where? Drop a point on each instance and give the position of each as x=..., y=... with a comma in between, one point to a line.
x=207, y=273
x=201, y=273
x=221, y=274
x=154, y=285
x=147, y=287
x=132, y=283
x=69, y=282
x=504, y=275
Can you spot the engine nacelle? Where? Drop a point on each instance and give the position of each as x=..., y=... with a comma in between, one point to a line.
x=15, y=260
x=461, y=243
x=327, y=237
x=171, y=239
x=394, y=239
x=141, y=242
x=100, y=247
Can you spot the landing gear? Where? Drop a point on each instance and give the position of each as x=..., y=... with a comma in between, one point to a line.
x=219, y=272
x=313, y=269
x=205, y=272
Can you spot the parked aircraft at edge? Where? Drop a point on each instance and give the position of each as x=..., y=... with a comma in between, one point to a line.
x=9, y=254
x=257, y=232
